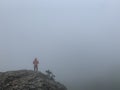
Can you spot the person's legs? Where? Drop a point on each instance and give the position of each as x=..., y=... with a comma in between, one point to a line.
x=36, y=67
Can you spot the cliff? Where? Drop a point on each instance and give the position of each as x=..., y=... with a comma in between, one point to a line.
x=28, y=80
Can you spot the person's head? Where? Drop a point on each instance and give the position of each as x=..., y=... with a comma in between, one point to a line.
x=35, y=59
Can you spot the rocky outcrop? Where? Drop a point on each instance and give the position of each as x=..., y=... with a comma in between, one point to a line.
x=28, y=80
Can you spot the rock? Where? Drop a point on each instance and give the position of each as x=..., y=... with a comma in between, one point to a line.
x=28, y=80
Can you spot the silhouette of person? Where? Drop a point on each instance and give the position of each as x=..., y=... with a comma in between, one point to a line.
x=35, y=62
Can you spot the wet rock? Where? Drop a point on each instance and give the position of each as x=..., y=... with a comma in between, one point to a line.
x=28, y=80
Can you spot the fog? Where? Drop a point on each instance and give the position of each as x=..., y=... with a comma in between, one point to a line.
x=78, y=40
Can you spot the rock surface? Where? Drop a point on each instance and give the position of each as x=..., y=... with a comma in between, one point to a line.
x=27, y=80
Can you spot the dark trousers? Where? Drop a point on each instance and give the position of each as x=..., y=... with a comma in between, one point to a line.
x=35, y=67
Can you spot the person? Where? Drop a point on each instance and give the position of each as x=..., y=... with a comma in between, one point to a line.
x=35, y=62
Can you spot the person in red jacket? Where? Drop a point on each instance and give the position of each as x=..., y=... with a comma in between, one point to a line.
x=35, y=62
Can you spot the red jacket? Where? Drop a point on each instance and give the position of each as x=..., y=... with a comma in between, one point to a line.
x=35, y=62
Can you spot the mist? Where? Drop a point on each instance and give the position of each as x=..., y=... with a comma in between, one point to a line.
x=78, y=40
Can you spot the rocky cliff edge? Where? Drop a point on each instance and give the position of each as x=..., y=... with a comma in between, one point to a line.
x=28, y=80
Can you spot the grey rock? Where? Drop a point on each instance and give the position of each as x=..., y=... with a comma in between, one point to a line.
x=28, y=80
